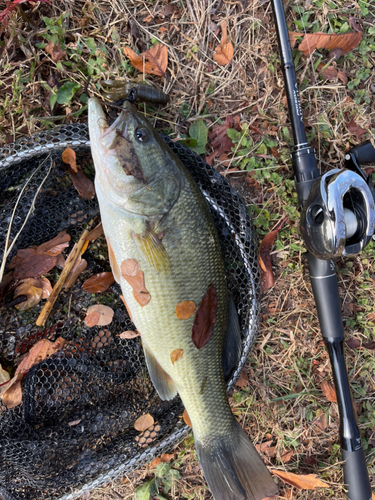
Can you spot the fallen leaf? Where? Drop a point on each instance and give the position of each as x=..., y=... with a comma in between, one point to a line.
x=75, y=422
x=163, y=459
x=33, y=292
x=355, y=129
x=92, y=319
x=355, y=23
x=176, y=355
x=106, y=313
x=129, y=334
x=78, y=267
x=312, y=41
x=220, y=141
x=224, y=52
x=267, y=449
x=11, y=393
x=243, y=380
x=185, y=309
x=95, y=233
x=286, y=456
x=34, y=266
x=20, y=255
x=46, y=287
x=4, y=377
x=328, y=390
x=329, y=73
x=55, y=51
x=300, y=481
x=369, y=345
x=205, y=319
x=55, y=246
x=266, y=272
x=69, y=157
x=98, y=283
x=341, y=75
x=143, y=422
x=83, y=184
x=153, y=61
x=186, y=418
x=353, y=343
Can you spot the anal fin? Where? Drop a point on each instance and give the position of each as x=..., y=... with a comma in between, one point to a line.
x=163, y=383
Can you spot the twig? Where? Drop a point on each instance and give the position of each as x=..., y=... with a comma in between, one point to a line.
x=6, y=249
x=42, y=318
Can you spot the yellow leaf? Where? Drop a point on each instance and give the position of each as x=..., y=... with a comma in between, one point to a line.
x=176, y=355
x=143, y=422
x=301, y=481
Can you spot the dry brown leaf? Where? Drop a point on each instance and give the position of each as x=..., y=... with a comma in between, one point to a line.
x=243, y=380
x=224, y=52
x=34, y=266
x=129, y=334
x=312, y=41
x=75, y=422
x=163, y=459
x=300, y=481
x=176, y=355
x=219, y=140
x=130, y=270
x=129, y=267
x=92, y=319
x=185, y=309
x=205, y=319
x=286, y=456
x=328, y=390
x=20, y=255
x=78, y=267
x=83, y=184
x=353, y=343
x=95, y=233
x=266, y=448
x=355, y=129
x=33, y=292
x=265, y=258
x=55, y=246
x=153, y=61
x=4, y=377
x=98, y=283
x=106, y=313
x=11, y=393
x=143, y=422
x=55, y=51
x=186, y=418
x=69, y=157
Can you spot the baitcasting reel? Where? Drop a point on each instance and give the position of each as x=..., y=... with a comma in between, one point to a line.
x=338, y=217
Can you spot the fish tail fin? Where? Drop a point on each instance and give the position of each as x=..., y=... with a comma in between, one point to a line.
x=233, y=469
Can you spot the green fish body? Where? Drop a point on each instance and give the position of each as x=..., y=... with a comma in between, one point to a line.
x=165, y=254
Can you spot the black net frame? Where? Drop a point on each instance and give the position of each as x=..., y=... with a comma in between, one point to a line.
x=74, y=429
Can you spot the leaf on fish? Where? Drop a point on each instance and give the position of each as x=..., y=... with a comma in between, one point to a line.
x=11, y=392
x=98, y=283
x=300, y=481
x=186, y=418
x=205, y=319
x=95, y=233
x=144, y=422
x=129, y=334
x=105, y=314
x=153, y=61
x=135, y=277
x=266, y=272
x=55, y=246
x=176, y=355
x=69, y=157
x=185, y=309
x=83, y=184
x=224, y=52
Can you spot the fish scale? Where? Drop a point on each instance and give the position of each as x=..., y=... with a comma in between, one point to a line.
x=153, y=213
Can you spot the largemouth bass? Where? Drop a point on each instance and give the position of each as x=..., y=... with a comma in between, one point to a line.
x=165, y=254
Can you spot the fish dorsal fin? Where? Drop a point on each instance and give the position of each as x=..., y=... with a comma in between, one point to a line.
x=151, y=246
x=113, y=263
x=163, y=383
x=232, y=347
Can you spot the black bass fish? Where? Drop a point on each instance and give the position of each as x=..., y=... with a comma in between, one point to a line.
x=165, y=254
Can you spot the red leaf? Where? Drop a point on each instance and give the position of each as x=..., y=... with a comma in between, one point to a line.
x=34, y=266
x=355, y=129
x=20, y=255
x=98, y=283
x=56, y=245
x=220, y=142
x=205, y=319
x=353, y=342
x=370, y=345
x=83, y=185
x=266, y=272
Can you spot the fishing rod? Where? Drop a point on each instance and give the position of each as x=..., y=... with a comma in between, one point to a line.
x=337, y=218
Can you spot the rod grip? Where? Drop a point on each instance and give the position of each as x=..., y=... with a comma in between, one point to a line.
x=356, y=475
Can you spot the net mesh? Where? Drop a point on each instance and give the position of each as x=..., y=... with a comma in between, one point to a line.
x=74, y=429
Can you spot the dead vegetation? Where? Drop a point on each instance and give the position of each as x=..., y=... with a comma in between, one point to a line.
x=284, y=398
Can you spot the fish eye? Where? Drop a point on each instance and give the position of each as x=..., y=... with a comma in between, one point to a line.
x=141, y=135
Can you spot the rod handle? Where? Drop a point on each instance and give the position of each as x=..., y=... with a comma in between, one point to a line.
x=356, y=475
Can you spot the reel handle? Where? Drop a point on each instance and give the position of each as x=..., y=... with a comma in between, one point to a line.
x=364, y=153
x=355, y=475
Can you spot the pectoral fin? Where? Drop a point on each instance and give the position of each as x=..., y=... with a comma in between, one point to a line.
x=232, y=347
x=151, y=246
x=163, y=383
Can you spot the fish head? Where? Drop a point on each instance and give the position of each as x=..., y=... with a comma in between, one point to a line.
x=134, y=168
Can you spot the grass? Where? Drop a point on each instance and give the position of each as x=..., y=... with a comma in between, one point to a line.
x=283, y=402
